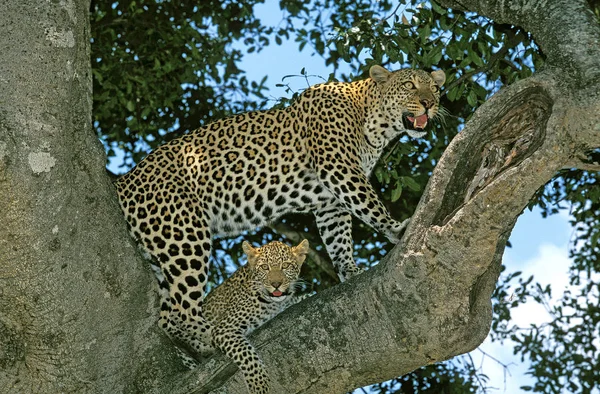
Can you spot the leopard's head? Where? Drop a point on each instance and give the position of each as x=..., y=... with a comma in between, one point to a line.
x=275, y=268
x=409, y=97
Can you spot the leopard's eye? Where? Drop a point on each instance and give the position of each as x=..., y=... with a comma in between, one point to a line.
x=264, y=267
x=408, y=85
x=435, y=89
x=285, y=266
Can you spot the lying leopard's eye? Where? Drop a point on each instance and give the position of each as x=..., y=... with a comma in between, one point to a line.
x=264, y=267
x=285, y=265
x=408, y=85
x=435, y=89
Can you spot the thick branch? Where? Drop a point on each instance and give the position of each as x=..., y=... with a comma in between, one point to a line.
x=592, y=167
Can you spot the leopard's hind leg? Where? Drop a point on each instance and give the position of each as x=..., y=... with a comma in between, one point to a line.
x=182, y=248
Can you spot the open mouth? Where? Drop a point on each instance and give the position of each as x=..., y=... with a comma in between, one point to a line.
x=418, y=122
x=277, y=293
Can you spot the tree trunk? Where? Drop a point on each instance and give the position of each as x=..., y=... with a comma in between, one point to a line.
x=77, y=304
x=77, y=309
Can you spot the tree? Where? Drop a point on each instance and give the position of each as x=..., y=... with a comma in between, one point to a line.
x=75, y=296
x=65, y=252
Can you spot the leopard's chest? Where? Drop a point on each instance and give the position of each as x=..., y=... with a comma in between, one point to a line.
x=241, y=307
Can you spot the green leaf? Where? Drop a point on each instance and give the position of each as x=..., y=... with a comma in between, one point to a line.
x=397, y=192
x=451, y=94
x=472, y=98
x=438, y=9
x=410, y=183
x=474, y=56
x=379, y=174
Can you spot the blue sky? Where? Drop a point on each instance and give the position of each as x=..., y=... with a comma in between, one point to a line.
x=539, y=246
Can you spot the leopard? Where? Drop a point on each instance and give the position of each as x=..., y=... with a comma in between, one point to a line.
x=253, y=295
x=244, y=171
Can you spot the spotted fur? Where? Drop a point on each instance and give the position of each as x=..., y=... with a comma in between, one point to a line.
x=241, y=172
x=254, y=294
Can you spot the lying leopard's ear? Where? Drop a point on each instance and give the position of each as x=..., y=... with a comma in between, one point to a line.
x=439, y=77
x=379, y=74
x=300, y=252
x=251, y=252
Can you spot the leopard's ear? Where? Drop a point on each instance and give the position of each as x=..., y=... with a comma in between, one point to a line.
x=251, y=252
x=379, y=74
x=300, y=252
x=439, y=77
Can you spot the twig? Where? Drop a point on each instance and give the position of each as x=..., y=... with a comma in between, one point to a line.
x=391, y=14
x=505, y=366
x=482, y=385
x=505, y=369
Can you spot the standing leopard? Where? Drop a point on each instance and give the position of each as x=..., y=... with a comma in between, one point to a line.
x=254, y=294
x=244, y=171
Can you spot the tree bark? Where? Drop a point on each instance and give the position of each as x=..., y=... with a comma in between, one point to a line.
x=77, y=303
x=77, y=309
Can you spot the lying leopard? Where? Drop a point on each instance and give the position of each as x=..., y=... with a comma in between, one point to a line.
x=244, y=171
x=254, y=294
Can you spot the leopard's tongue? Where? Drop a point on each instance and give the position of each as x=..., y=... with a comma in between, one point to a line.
x=419, y=122
x=277, y=293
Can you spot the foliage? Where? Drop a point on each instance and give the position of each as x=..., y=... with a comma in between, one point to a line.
x=564, y=352
x=162, y=68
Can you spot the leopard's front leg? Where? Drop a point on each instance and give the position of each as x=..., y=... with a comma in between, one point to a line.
x=231, y=341
x=335, y=226
x=349, y=185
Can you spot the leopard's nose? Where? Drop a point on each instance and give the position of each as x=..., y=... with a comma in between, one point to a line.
x=276, y=284
x=426, y=103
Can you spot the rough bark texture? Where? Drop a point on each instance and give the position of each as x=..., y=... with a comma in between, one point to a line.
x=76, y=302
x=77, y=309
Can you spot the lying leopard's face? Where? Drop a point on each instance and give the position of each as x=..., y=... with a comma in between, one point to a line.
x=276, y=268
